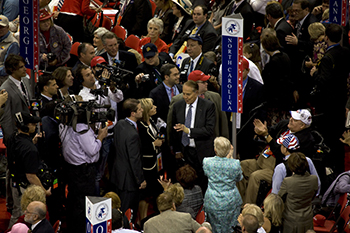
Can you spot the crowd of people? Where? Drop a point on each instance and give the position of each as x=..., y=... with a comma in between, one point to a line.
x=139, y=127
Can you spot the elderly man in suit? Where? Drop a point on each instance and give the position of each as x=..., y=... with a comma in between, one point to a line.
x=193, y=122
x=198, y=26
x=35, y=214
x=163, y=94
x=196, y=61
x=169, y=220
x=221, y=127
x=127, y=172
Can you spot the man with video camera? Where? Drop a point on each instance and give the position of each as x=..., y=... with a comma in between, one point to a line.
x=80, y=147
x=24, y=160
x=102, y=95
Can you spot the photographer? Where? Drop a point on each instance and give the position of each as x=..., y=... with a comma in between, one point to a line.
x=54, y=43
x=80, y=147
x=147, y=74
x=23, y=160
x=90, y=91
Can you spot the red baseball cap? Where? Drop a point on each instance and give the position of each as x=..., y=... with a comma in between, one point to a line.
x=97, y=60
x=198, y=75
x=245, y=64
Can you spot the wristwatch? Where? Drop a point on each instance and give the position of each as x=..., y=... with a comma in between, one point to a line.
x=266, y=136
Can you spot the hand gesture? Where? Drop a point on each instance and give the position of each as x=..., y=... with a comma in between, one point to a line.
x=346, y=138
x=292, y=39
x=3, y=97
x=165, y=183
x=143, y=185
x=260, y=128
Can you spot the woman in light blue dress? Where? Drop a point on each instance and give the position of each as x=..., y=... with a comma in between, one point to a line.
x=222, y=201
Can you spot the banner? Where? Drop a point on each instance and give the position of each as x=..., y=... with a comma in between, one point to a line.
x=232, y=55
x=29, y=32
x=338, y=12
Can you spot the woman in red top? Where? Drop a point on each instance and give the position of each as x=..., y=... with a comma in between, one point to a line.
x=71, y=18
x=154, y=28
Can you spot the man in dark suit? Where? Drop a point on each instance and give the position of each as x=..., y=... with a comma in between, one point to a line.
x=198, y=26
x=35, y=214
x=127, y=172
x=330, y=79
x=247, y=12
x=193, y=123
x=252, y=97
x=163, y=93
x=274, y=15
x=122, y=59
x=196, y=61
x=151, y=67
x=48, y=89
x=136, y=16
x=300, y=39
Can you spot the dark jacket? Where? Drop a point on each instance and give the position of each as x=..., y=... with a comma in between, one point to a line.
x=136, y=16
x=206, y=32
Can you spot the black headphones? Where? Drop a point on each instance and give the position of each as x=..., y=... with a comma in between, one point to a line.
x=20, y=123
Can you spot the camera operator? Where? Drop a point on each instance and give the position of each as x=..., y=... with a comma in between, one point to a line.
x=24, y=160
x=87, y=78
x=80, y=149
x=148, y=74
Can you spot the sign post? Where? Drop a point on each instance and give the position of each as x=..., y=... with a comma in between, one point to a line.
x=29, y=35
x=232, y=55
x=339, y=12
x=98, y=214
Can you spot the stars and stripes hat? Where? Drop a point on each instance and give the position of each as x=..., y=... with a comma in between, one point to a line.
x=303, y=115
x=290, y=141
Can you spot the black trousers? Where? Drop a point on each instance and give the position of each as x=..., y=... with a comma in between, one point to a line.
x=73, y=24
x=81, y=183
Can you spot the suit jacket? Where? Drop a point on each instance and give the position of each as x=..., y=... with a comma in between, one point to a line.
x=283, y=29
x=252, y=98
x=305, y=45
x=15, y=103
x=43, y=227
x=161, y=100
x=169, y=19
x=127, y=173
x=221, y=127
x=203, y=64
x=171, y=222
x=204, y=127
x=136, y=16
x=247, y=13
x=181, y=27
x=206, y=32
x=298, y=191
x=335, y=63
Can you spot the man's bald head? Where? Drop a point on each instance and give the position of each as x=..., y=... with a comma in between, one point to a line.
x=39, y=208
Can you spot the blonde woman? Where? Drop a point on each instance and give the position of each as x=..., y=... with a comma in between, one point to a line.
x=273, y=210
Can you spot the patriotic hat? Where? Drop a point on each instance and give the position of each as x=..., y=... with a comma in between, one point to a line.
x=290, y=141
x=186, y=5
x=4, y=21
x=44, y=15
x=303, y=115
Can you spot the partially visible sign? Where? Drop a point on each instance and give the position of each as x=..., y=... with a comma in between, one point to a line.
x=338, y=12
x=232, y=55
x=29, y=32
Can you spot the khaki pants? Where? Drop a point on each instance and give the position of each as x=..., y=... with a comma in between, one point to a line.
x=254, y=171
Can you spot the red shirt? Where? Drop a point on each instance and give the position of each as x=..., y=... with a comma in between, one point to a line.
x=79, y=7
x=161, y=45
